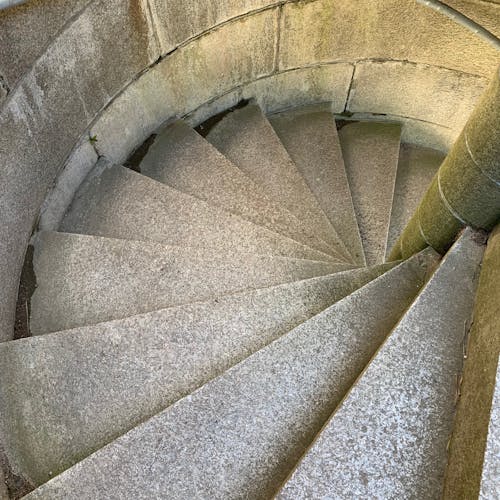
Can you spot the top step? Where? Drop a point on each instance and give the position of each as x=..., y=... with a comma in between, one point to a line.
x=371, y=153
x=184, y=160
x=247, y=138
x=311, y=139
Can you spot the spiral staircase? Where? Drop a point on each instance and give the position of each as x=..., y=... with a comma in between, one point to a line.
x=219, y=319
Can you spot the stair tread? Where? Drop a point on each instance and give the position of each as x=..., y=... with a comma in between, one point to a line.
x=184, y=160
x=119, y=203
x=246, y=137
x=390, y=433
x=416, y=169
x=311, y=139
x=84, y=280
x=85, y=386
x=371, y=152
x=243, y=431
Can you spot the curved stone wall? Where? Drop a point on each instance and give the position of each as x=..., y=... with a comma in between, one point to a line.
x=118, y=69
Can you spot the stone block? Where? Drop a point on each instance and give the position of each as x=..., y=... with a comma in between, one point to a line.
x=178, y=20
x=418, y=91
x=341, y=30
x=438, y=224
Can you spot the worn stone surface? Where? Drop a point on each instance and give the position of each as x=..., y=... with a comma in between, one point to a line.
x=411, y=241
x=192, y=75
x=247, y=138
x=468, y=443
x=119, y=203
x=83, y=280
x=242, y=432
x=185, y=161
x=27, y=30
x=428, y=93
x=312, y=142
x=491, y=465
x=85, y=387
x=371, y=152
x=390, y=433
x=322, y=31
x=486, y=13
x=416, y=169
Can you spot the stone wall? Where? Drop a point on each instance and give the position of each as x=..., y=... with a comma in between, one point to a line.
x=117, y=69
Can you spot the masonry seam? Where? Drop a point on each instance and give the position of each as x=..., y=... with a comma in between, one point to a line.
x=447, y=203
x=466, y=140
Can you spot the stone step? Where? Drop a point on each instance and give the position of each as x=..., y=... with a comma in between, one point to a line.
x=119, y=203
x=83, y=280
x=371, y=152
x=86, y=386
x=184, y=160
x=416, y=168
x=388, y=438
x=310, y=137
x=246, y=137
x=240, y=434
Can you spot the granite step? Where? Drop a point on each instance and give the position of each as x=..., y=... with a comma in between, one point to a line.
x=246, y=137
x=240, y=434
x=390, y=433
x=310, y=137
x=83, y=280
x=371, y=152
x=85, y=387
x=119, y=203
x=416, y=168
x=184, y=160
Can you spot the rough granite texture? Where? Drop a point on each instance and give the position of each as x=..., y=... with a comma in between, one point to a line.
x=490, y=487
x=184, y=160
x=416, y=169
x=119, y=203
x=312, y=142
x=371, y=152
x=67, y=394
x=83, y=280
x=388, y=438
x=240, y=434
x=247, y=138
x=468, y=443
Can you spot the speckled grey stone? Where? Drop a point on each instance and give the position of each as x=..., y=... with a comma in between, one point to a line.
x=311, y=139
x=371, y=152
x=239, y=435
x=184, y=160
x=83, y=280
x=416, y=169
x=388, y=438
x=490, y=480
x=247, y=138
x=119, y=203
x=67, y=394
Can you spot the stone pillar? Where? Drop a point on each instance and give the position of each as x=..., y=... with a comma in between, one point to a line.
x=466, y=189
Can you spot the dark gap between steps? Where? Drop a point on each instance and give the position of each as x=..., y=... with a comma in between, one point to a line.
x=27, y=286
x=133, y=162
x=204, y=128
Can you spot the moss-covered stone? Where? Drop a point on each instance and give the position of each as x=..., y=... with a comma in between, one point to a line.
x=412, y=241
x=468, y=442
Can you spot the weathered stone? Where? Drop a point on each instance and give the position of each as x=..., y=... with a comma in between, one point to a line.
x=117, y=202
x=474, y=411
x=82, y=280
x=312, y=142
x=437, y=223
x=416, y=169
x=185, y=161
x=484, y=13
x=204, y=69
x=84, y=387
x=247, y=138
x=427, y=93
x=322, y=31
x=371, y=152
x=178, y=21
x=410, y=242
x=388, y=438
x=240, y=434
